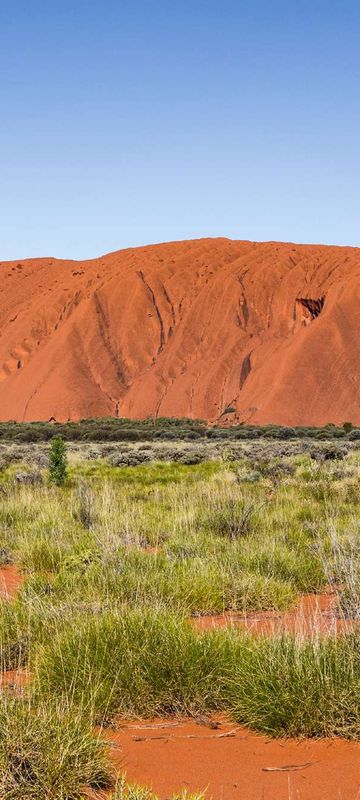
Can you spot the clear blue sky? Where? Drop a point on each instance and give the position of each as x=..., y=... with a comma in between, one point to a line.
x=127, y=122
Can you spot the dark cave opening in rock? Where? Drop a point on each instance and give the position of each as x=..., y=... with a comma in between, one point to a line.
x=313, y=307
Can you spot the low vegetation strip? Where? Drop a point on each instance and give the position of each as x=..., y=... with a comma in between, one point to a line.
x=168, y=428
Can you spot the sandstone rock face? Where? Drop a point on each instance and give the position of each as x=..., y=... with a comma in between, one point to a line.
x=213, y=328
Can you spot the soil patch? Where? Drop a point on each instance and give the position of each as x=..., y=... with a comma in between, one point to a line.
x=233, y=763
x=315, y=614
x=10, y=581
x=15, y=680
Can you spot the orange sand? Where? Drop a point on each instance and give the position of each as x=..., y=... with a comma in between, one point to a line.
x=314, y=615
x=236, y=767
x=10, y=581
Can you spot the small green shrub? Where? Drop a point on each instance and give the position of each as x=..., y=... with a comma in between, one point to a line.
x=58, y=462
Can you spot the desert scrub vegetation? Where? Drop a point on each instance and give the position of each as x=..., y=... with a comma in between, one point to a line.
x=197, y=538
x=136, y=662
x=285, y=686
x=48, y=752
x=148, y=664
x=119, y=562
x=145, y=443
x=165, y=428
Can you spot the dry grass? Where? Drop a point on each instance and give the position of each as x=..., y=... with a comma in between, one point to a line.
x=116, y=562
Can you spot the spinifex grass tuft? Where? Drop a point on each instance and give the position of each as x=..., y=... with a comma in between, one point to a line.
x=148, y=663
x=48, y=751
x=293, y=687
x=138, y=663
x=132, y=791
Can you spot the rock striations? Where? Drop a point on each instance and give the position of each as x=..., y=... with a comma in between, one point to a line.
x=213, y=328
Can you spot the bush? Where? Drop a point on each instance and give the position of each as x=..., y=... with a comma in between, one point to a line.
x=58, y=462
x=29, y=478
x=192, y=457
x=275, y=471
x=132, y=458
x=354, y=435
x=329, y=453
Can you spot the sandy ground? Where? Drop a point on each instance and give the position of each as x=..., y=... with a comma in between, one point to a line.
x=314, y=615
x=233, y=763
x=10, y=580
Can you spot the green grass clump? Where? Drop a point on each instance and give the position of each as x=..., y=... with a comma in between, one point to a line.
x=14, y=636
x=137, y=663
x=153, y=663
x=299, y=567
x=133, y=791
x=48, y=751
x=232, y=518
x=289, y=687
x=43, y=553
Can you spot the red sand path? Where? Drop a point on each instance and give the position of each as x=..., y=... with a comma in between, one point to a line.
x=235, y=768
x=314, y=615
x=184, y=329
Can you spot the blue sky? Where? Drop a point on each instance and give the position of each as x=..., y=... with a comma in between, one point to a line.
x=127, y=122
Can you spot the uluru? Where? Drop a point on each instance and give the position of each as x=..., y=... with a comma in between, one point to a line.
x=222, y=330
